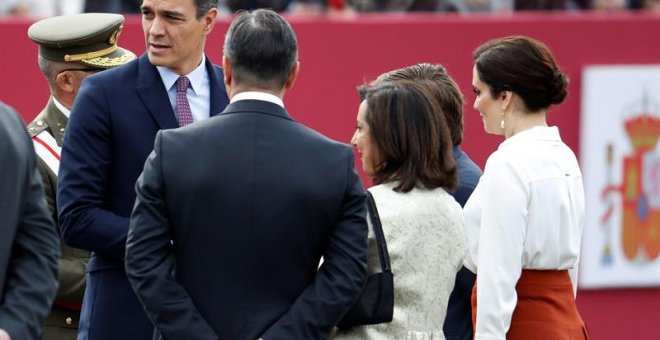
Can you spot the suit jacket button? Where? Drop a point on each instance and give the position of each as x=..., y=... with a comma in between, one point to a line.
x=68, y=321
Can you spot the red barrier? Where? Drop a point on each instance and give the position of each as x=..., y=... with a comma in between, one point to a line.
x=336, y=55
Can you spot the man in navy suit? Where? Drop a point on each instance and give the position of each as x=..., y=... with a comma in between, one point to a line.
x=233, y=214
x=458, y=322
x=110, y=134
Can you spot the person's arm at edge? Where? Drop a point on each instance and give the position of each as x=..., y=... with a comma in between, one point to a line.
x=340, y=279
x=71, y=271
x=150, y=258
x=31, y=279
x=84, y=174
x=501, y=238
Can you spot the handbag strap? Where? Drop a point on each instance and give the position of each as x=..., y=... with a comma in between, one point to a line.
x=383, y=254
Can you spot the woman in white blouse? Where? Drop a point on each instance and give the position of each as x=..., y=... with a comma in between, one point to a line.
x=405, y=147
x=524, y=220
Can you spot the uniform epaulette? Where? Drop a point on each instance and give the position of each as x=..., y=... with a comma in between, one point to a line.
x=36, y=127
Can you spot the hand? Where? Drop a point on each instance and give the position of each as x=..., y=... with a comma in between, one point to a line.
x=4, y=335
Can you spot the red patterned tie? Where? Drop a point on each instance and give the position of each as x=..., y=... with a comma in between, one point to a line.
x=183, y=113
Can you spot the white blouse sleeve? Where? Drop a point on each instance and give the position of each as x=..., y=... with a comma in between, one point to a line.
x=504, y=204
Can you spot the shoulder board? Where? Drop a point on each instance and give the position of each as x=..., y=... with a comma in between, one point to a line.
x=36, y=127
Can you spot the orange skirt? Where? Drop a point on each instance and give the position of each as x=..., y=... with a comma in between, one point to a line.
x=545, y=310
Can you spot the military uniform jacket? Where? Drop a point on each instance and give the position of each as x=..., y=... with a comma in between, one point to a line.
x=47, y=132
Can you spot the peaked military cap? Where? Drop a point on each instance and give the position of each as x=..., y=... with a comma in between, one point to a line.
x=86, y=38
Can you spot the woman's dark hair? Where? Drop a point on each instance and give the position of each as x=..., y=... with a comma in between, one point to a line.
x=411, y=136
x=522, y=65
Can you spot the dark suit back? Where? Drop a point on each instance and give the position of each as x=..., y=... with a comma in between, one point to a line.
x=458, y=322
x=253, y=200
x=110, y=134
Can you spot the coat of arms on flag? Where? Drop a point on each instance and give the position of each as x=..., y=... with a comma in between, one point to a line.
x=620, y=159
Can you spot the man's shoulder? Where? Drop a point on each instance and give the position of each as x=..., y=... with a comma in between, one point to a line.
x=118, y=83
x=37, y=126
x=321, y=139
x=214, y=66
x=120, y=73
x=15, y=138
x=50, y=119
x=8, y=116
x=465, y=164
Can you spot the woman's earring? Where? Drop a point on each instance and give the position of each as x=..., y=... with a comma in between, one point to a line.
x=502, y=122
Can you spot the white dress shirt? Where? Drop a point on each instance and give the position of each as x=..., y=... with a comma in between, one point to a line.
x=61, y=107
x=198, y=93
x=527, y=212
x=256, y=95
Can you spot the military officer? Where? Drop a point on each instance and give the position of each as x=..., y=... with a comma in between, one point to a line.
x=71, y=47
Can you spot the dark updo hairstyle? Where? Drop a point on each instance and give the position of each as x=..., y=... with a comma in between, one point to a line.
x=522, y=65
x=411, y=136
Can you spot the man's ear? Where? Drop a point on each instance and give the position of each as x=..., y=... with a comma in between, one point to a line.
x=292, y=76
x=65, y=82
x=226, y=66
x=210, y=18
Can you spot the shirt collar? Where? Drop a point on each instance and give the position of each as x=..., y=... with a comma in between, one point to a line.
x=196, y=77
x=537, y=133
x=256, y=95
x=61, y=107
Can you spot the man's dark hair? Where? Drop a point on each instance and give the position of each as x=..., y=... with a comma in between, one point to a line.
x=443, y=88
x=262, y=48
x=204, y=6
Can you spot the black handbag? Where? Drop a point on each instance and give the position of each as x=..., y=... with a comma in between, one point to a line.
x=376, y=302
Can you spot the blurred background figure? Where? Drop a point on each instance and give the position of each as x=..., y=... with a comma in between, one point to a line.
x=71, y=47
x=237, y=5
x=405, y=145
x=609, y=5
x=112, y=6
x=48, y=8
x=652, y=5
x=41, y=8
x=29, y=245
x=349, y=8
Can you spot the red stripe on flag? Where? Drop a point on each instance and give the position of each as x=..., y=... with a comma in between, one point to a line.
x=608, y=214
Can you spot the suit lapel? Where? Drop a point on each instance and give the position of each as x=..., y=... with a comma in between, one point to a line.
x=217, y=88
x=151, y=90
